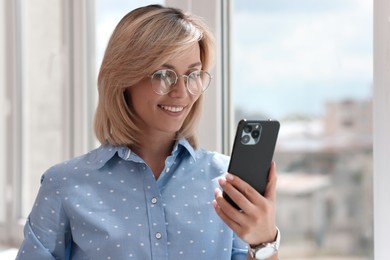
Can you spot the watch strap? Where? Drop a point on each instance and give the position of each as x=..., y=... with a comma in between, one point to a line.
x=275, y=244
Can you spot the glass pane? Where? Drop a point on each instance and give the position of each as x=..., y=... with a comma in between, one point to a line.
x=308, y=64
x=108, y=14
x=43, y=104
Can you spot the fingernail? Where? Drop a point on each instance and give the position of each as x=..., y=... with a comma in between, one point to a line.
x=230, y=177
x=221, y=181
x=215, y=204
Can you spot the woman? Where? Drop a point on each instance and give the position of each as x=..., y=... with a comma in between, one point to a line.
x=148, y=192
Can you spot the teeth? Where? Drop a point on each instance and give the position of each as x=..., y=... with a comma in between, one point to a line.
x=172, y=109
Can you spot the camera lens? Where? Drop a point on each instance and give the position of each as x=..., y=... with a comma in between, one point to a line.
x=255, y=134
x=247, y=128
x=245, y=139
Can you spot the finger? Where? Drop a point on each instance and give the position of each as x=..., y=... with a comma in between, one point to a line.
x=243, y=192
x=270, y=191
x=228, y=221
x=221, y=207
x=238, y=196
x=235, y=214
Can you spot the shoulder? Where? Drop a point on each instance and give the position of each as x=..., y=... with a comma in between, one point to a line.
x=91, y=161
x=212, y=158
x=202, y=155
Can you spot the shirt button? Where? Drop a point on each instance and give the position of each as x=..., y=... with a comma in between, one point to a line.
x=158, y=235
x=154, y=200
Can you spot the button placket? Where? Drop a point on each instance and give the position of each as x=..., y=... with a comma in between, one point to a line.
x=156, y=216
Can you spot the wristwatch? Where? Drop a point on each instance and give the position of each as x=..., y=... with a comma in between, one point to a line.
x=265, y=250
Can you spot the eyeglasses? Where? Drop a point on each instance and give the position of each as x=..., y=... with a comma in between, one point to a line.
x=164, y=81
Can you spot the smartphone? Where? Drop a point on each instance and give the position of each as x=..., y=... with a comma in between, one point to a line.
x=252, y=153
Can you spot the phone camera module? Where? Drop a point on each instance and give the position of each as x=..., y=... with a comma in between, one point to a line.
x=250, y=134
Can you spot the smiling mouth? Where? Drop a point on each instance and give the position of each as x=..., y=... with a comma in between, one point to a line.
x=172, y=109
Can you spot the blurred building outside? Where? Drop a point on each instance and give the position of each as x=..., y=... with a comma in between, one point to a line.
x=324, y=203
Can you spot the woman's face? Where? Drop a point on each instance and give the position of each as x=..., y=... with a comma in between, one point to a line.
x=165, y=114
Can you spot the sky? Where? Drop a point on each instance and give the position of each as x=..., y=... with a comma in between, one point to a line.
x=288, y=57
x=291, y=57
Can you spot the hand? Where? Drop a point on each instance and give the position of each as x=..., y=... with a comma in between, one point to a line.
x=255, y=223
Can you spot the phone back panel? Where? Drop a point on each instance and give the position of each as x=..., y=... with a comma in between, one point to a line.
x=251, y=162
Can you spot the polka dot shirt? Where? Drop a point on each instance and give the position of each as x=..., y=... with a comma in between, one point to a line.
x=107, y=205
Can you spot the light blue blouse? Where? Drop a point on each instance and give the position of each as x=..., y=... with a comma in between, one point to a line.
x=107, y=205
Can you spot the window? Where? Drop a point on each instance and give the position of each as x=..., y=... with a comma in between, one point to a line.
x=42, y=103
x=34, y=97
x=108, y=14
x=309, y=65
x=16, y=116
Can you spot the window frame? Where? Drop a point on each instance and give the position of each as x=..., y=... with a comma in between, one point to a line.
x=13, y=79
x=381, y=126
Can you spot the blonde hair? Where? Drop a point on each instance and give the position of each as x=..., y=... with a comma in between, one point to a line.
x=143, y=41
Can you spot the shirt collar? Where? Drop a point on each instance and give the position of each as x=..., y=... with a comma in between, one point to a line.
x=100, y=156
x=186, y=146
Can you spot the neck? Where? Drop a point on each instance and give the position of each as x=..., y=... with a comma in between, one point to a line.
x=154, y=150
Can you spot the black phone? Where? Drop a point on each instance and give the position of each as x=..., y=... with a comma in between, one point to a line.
x=252, y=153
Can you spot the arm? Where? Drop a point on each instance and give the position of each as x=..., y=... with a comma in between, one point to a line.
x=45, y=230
x=255, y=224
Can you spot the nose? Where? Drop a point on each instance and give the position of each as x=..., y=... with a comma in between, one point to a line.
x=180, y=89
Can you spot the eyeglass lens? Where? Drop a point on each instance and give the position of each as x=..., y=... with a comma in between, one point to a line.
x=163, y=81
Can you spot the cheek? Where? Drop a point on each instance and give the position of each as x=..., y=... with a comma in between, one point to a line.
x=139, y=96
x=195, y=105
x=195, y=99
x=140, y=105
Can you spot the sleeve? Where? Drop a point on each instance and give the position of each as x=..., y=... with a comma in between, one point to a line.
x=46, y=233
x=240, y=249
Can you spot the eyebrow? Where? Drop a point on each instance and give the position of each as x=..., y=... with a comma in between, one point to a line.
x=193, y=65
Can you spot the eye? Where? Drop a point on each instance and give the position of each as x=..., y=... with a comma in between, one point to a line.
x=160, y=74
x=195, y=74
x=168, y=77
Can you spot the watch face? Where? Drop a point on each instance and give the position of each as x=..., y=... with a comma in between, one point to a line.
x=265, y=252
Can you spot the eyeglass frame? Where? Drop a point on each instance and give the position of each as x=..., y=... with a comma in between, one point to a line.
x=186, y=76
